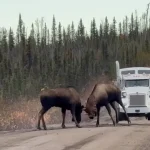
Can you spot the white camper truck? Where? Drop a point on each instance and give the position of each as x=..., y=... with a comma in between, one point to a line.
x=134, y=83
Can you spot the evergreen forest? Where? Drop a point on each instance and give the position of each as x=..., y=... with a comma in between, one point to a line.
x=57, y=56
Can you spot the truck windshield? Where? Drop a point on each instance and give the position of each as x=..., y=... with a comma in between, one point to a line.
x=133, y=83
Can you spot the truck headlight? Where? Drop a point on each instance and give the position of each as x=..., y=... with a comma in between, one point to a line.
x=124, y=94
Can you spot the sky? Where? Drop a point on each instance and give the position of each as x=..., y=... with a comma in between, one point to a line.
x=66, y=11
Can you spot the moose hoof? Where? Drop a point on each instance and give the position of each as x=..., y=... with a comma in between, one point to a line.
x=63, y=126
x=114, y=124
x=78, y=126
x=45, y=128
x=129, y=123
x=38, y=127
x=97, y=125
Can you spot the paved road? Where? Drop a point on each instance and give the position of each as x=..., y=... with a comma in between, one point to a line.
x=105, y=137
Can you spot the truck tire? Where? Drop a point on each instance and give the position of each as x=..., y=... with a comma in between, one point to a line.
x=148, y=116
x=121, y=116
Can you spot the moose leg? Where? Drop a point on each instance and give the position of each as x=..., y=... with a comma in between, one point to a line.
x=63, y=110
x=74, y=117
x=120, y=102
x=109, y=112
x=115, y=109
x=39, y=118
x=98, y=112
x=41, y=113
x=43, y=121
x=44, y=125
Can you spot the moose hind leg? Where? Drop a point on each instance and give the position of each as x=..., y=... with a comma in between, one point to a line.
x=39, y=119
x=41, y=113
x=43, y=121
x=109, y=112
x=120, y=102
x=115, y=109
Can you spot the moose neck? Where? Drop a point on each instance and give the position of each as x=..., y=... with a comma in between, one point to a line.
x=92, y=101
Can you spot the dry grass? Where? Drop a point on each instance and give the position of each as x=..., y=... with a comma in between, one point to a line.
x=23, y=115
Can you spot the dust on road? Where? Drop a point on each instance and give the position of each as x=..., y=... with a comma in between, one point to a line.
x=105, y=137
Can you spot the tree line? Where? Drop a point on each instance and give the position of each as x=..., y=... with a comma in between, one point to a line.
x=59, y=56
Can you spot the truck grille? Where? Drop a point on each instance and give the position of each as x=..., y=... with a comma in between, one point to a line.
x=137, y=100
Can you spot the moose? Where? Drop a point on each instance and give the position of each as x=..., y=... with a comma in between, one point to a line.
x=103, y=95
x=66, y=98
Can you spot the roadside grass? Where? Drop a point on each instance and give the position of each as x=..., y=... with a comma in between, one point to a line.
x=24, y=114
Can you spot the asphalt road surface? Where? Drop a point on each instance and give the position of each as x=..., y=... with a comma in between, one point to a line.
x=89, y=137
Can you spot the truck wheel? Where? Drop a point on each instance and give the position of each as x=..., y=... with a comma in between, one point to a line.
x=121, y=116
x=148, y=116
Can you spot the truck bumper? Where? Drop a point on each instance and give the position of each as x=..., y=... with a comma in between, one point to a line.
x=132, y=111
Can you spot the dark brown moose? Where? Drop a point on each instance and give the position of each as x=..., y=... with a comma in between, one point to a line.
x=65, y=98
x=103, y=95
